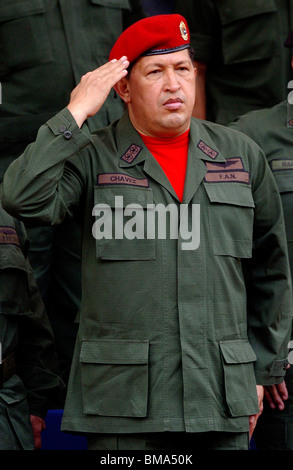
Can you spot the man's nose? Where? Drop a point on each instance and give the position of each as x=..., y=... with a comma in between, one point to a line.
x=171, y=81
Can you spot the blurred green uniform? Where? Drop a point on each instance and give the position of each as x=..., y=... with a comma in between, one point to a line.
x=241, y=43
x=28, y=364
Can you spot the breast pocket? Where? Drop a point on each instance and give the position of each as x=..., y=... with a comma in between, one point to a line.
x=231, y=215
x=249, y=30
x=24, y=37
x=115, y=377
x=121, y=226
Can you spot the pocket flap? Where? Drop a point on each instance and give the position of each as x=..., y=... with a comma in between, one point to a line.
x=112, y=3
x=230, y=193
x=21, y=9
x=123, y=196
x=11, y=257
x=237, y=10
x=115, y=352
x=237, y=351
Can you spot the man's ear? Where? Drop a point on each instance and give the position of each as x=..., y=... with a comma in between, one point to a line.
x=122, y=88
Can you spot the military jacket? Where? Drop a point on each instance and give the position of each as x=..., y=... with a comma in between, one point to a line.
x=242, y=44
x=26, y=332
x=45, y=48
x=272, y=129
x=172, y=336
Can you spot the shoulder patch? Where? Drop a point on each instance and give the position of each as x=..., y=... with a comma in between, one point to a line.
x=131, y=153
x=8, y=236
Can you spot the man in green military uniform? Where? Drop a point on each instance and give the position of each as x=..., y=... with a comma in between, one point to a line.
x=179, y=328
x=45, y=48
x=28, y=362
x=238, y=46
x=272, y=129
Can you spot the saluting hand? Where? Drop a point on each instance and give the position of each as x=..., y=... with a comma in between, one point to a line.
x=90, y=94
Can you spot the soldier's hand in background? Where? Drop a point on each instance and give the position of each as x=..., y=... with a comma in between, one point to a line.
x=90, y=94
x=276, y=395
x=253, y=419
x=38, y=425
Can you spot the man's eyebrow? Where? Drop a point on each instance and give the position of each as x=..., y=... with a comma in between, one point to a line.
x=162, y=64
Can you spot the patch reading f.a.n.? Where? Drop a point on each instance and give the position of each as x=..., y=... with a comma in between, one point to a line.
x=207, y=150
x=8, y=235
x=231, y=170
x=281, y=165
x=120, y=178
x=131, y=153
x=227, y=177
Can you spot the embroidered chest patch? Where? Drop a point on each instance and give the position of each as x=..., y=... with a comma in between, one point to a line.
x=281, y=165
x=120, y=178
x=8, y=235
x=131, y=153
x=230, y=171
x=207, y=150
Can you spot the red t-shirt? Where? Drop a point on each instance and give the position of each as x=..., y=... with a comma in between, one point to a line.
x=171, y=154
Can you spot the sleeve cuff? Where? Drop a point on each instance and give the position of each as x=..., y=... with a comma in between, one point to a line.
x=64, y=124
x=279, y=368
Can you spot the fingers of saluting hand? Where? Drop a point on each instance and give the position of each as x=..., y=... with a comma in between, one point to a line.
x=92, y=91
x=108, y=74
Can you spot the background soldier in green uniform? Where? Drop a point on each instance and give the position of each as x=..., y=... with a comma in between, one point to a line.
x=45, y=48
x=238, y=45
x=28, y=362
x=174, y=343
x=272, y=129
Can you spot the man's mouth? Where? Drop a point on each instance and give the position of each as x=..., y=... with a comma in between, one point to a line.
x=173, y=103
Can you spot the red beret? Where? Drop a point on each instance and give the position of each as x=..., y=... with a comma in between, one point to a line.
x=160, y=34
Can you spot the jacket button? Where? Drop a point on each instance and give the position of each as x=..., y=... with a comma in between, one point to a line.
x=67, y=135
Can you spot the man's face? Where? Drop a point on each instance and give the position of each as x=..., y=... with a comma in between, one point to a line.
x=161, y=94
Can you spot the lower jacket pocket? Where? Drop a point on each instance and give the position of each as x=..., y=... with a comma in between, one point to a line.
x=238, y=360
x=115, y=377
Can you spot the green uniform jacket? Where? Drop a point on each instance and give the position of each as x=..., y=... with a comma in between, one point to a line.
x=272, y=130
x=24, y=330
x=242, y=44
x=170, y=339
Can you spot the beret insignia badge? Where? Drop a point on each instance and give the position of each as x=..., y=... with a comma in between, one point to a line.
x=183, y=31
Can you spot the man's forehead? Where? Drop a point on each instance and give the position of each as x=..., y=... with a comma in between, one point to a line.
x=172, y=58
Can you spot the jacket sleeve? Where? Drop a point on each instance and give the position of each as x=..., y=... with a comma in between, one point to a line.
x=31, y=188
x=268, y=280
x=36, y=359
